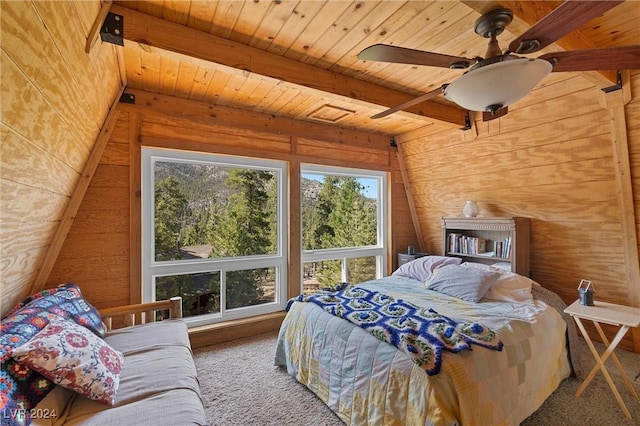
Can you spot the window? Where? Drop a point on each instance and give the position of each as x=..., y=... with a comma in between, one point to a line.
x=343, y=225
x=213, y=234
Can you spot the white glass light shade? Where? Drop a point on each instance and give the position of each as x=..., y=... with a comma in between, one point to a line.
x=497, y=85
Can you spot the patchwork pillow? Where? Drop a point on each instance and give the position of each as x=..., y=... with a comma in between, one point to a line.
x=21, y=388
x=509, y=287
x=422, y=268
x=73, y=357
x=469, y=284
x=65, y=300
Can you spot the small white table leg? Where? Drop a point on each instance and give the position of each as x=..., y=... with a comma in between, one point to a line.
x=617, y=362
x=600, y=362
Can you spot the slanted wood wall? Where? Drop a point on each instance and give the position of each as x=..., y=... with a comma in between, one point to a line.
x=557, y=158
x=55, y=98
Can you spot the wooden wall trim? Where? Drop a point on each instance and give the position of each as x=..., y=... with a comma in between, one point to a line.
x=616, y=101
x=295, y=247
x=391, y=246
x=77, y=196
x=94, y=32
x=410, y=200
x=135, y=210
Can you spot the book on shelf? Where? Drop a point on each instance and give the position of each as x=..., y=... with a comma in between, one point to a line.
x=465, y=244
x=454, y=242
x=481, y=245
x=503, y=248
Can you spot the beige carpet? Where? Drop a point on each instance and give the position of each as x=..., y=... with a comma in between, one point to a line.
x=241, y=386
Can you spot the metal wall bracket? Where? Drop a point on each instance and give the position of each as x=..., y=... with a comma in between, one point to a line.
x=467, y=122
x=112, y=30
x=128, y=98
x=616, y=86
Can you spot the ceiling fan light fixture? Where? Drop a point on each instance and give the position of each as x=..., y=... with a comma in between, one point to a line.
x=498, y=83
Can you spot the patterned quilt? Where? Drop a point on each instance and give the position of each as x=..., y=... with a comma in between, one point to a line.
x=422, y=333
x=365, y=380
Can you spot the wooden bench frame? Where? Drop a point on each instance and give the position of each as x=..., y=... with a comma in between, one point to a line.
x=141, y=313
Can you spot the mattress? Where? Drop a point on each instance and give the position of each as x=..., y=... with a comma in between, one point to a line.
x=367, y=381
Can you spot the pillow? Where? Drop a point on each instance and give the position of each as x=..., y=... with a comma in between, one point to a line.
x=20, y=387
x=502, y=265
x=65, y=300
x=73, y=357
x=422, y=268
x=469, y=284
x=509, y=287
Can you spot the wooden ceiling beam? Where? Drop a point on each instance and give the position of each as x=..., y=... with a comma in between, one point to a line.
x=202, y=113
x=179, y=40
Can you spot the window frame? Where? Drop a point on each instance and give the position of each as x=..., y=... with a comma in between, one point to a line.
x=378, y=250
x=152, y=268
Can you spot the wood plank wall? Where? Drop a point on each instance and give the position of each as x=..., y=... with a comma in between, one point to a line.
x=97, y=253
x=550, y=159
x=55, y=98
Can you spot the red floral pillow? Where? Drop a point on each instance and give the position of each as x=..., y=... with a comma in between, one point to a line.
x=73, y=357
x=21, y=388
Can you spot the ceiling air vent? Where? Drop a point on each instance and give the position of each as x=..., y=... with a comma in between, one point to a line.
x=330, y=113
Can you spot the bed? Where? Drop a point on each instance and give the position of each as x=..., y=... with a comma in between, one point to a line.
x=367, y=381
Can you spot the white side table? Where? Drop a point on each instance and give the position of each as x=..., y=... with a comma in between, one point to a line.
x=624, y=317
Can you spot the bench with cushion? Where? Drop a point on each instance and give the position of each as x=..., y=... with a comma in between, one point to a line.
x=68, y=367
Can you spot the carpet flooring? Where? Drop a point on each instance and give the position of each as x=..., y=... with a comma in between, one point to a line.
x=241, y=387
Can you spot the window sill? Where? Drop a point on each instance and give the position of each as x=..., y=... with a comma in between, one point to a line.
x=206, y=335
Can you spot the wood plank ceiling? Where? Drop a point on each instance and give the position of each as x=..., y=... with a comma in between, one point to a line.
x=298, y=59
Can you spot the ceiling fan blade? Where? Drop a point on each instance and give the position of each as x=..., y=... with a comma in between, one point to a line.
x=402, y=55
x=606, y=58
x=567, y=17
x=421, y=98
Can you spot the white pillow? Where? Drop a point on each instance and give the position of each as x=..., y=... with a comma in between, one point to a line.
x=422, y=268
x=502, y=265
x=509, y=287
x=470, y=284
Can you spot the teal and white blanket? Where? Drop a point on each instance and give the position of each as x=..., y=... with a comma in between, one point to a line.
x=420, y=332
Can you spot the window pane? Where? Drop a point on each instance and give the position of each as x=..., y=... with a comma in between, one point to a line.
x=309, y=279
x=361, y=269
x=200, y=292
x=338, y=211
x=212, y=210
x=320, y=274
x=250, y=287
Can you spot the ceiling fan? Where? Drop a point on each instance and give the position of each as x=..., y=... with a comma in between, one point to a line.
x=493, y=83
